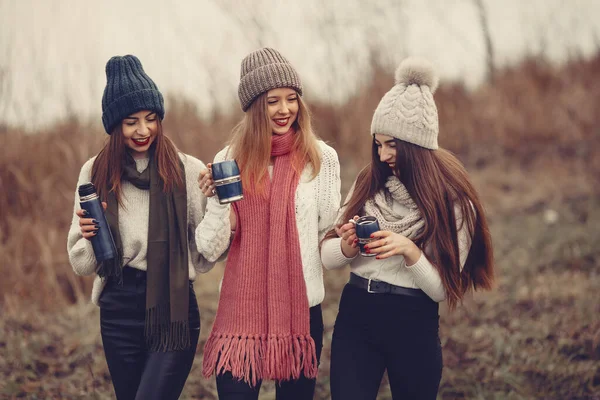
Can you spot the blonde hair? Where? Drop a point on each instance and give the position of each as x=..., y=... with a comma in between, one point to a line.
x=251, y=145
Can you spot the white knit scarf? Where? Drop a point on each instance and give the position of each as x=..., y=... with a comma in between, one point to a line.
x=380, y=207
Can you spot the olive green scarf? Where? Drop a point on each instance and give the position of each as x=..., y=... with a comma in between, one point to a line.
x=167, y=290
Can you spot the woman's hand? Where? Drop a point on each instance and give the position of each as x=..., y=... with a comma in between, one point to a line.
x=387, y=244
x=205, y=181
x=89, y=227
x=347, y=232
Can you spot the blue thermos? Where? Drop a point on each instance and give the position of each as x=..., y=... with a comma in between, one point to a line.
x=103, y=243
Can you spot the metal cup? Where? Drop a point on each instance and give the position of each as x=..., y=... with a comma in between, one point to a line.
x=226, y=176
x=365, y=226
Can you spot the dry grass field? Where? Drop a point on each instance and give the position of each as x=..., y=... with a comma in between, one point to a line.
x=530, y=141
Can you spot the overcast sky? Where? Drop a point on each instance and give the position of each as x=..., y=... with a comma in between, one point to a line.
x=53, y=52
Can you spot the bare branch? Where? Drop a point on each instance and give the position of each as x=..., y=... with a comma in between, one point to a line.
x=485, y=29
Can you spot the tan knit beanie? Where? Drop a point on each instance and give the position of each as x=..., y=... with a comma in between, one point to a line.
x=263, y=70
x=408, y=112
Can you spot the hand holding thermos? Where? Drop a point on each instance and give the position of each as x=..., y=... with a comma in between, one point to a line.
x=88, y=225
x=93, y=223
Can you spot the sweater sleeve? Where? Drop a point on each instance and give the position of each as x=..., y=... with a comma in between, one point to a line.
x=332, y=256
x=79, y=249
x=329, y=189
x=213, y=233
x=196, y=211
x=426, y=275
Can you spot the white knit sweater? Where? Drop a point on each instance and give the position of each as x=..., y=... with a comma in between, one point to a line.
x=421, y=275
x=133, y=225
x=317, y=203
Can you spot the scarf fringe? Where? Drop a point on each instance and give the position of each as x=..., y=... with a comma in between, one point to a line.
x=253, y=358
x=111, y=268
x=165, y=336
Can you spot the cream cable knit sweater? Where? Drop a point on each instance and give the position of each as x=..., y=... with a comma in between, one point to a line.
x=317, y=203
x=133, y=225
x=422, y=275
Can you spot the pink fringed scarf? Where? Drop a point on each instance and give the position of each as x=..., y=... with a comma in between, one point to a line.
x=262, y=327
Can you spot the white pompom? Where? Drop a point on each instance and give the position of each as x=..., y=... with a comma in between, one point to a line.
x=417, y=71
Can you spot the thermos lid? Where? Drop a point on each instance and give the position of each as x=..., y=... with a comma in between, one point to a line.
x=86, y=189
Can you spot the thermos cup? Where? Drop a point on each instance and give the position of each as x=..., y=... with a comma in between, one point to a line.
x=102, y=243
x=226, y=176
x=365, y=226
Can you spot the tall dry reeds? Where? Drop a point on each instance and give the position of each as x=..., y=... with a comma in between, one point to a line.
x=533, y=110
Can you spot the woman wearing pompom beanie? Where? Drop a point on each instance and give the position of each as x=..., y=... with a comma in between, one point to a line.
x=269, y=323
x=434, y=245
x=149, y=317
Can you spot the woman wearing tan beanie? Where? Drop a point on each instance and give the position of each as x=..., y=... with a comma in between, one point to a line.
x=433, y=245
x=269, y=323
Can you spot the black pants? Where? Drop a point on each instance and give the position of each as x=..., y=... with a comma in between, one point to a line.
x=374, y=332
x=230, y=388
x=136, y=372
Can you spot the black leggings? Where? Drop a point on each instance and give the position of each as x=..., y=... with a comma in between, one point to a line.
x=374, y=332
x=230, y=388
x=136, y=372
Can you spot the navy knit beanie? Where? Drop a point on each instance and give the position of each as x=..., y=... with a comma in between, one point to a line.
x=128, y=90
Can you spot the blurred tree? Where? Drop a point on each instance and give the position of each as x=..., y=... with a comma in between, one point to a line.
x=485, y=29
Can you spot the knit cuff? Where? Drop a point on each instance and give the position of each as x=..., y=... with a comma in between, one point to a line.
x=332, y=256
x=427, y=278
x=82, y=258
x=421, y=268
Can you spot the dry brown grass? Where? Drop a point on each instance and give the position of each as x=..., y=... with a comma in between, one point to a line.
x=529, y=142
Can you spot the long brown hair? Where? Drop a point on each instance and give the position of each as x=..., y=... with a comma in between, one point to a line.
x=251, y=144
x=108, y=165
x=437, y=182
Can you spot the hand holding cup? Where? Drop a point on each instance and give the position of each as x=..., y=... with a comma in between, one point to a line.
x=365, y=228
x=385, y=244
x=88, y=226
x=347, y=232
x=206, y=182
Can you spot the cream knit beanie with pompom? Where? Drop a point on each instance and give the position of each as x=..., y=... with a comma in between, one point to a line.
x=408, y=112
